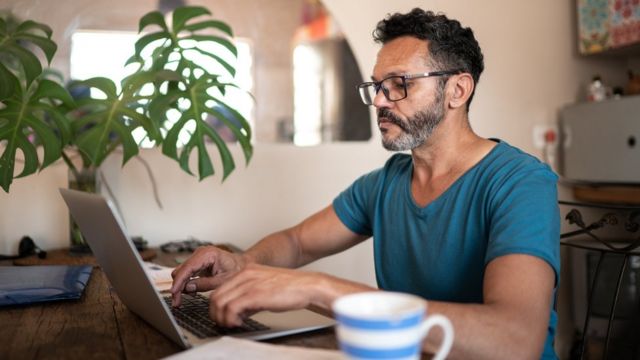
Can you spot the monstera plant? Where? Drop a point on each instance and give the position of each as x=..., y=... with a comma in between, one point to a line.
x=170, y=76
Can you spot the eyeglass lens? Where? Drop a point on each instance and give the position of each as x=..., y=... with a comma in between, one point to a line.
x=394, y=89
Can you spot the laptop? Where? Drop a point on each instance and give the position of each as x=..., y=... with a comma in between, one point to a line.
x=119, y=259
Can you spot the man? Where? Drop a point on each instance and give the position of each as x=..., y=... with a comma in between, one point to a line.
x=469, y=224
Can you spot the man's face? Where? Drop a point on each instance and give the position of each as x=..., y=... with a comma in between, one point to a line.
x=408, y=123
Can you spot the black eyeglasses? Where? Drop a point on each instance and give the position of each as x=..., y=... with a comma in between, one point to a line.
x=394, y=87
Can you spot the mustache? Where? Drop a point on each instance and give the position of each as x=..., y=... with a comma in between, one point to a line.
x=391, y=117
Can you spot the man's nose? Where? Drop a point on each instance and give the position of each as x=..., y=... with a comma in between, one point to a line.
x=380, y=100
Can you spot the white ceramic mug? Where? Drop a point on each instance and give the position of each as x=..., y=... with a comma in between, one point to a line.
x=387, y=325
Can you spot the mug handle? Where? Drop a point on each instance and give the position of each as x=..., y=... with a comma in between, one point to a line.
x=447, y=328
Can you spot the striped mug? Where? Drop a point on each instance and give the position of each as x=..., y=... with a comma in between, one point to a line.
x=387, y=325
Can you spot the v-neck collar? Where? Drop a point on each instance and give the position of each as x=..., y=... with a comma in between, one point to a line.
x=424, y=210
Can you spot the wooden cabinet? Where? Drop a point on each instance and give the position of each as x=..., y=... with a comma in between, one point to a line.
x=605, y=25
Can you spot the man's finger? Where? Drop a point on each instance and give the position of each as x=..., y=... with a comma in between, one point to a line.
x=182, y=274
x=202, y=284
x=180, y=279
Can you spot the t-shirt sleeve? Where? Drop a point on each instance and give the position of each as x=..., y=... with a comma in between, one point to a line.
x=525, y=218
x=354, y=203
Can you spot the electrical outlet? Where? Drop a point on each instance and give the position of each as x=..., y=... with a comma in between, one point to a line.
x=544, y=135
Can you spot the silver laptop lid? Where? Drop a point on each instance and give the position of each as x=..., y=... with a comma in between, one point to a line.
x=120, y=261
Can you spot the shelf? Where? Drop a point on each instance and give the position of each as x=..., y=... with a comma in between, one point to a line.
x=629, y=195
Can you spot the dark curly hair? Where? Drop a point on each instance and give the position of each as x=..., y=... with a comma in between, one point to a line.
x=451, y=46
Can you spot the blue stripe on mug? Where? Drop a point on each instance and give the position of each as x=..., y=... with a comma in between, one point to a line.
x=407, y=322
x=369, y=353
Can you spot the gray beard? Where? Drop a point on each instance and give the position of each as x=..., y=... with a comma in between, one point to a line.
x=417, y=129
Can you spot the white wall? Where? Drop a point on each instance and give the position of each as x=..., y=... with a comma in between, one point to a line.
x=532, y=70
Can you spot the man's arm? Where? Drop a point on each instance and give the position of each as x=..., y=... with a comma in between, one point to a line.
x=259, y=287
x=320, y=235
x=512, y=322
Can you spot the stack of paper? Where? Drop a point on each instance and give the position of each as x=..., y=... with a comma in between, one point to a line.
x=233, y=348
x=160, y=275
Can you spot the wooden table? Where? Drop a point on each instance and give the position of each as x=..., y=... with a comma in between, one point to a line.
x=98, y=325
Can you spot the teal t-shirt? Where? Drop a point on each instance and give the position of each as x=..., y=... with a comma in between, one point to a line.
x=505, y=204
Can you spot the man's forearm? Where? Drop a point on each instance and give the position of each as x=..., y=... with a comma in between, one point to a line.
x=320, y=235
x=278, y=249
x=329, y=288
x=488, y=332
x=512, y=321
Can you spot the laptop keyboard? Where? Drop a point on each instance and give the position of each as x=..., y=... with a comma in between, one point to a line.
x=193, y=315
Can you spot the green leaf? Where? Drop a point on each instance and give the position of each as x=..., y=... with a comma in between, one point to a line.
x=12, y=45
x=228, y=165
x=170, y=143
x=30, y=157
x=7, y=164
x=205, y=168
x=182, y=14
x=160, y=57
x=129, y=146
x=134, y=59
x=136, y=81
x=91, y=118
x=8, y=82
x=22, y=116
x=213, y=24
x=51, y=143
x=145, y=122
x=161, y=104
x=216, y=39
x=48, y=47
x=29, y=25
x=53, y=74
x=52, y=90
x=93, y=143
x=103, y=84
x=30, y=63
x=152, y=18
x=184, y=156
x=229, y=68
x=142, y=42
x=183, y=84
x=243, y=138
x=244, y=123
x=109, y=123
x=61, y=121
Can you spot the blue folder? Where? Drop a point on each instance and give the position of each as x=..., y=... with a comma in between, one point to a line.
x=34, y=284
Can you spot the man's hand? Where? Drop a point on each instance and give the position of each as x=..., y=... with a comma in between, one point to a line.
x=258, y=288
x=205, y=270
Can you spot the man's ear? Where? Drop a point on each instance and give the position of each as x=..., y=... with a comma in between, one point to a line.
x=461, y=88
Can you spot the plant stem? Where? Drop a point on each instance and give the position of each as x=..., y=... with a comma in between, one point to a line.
x=70, y=164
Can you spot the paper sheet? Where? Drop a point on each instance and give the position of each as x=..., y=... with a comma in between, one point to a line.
x=160, y=275
x=238, y=349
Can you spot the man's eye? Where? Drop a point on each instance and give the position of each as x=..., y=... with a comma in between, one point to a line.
x=397, y=84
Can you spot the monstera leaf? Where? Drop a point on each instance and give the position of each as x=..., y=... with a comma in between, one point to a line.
x=172, y=76
x=201, y=102
x=197, y=93
x=107, y=123
x=35, y=115
x=17, y=59
x=32, y=108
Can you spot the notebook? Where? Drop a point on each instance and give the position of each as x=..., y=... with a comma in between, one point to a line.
x=20, y=285
x=116, y=254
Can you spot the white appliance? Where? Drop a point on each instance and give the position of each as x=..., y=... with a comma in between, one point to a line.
x=601, y=141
